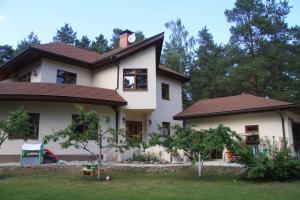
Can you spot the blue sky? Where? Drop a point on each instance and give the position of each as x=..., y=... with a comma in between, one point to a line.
x=92, y=17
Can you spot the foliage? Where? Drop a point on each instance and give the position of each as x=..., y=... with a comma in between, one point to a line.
x=32, y=39
x=208, y=69
x=66, y=35
x=84, y=43
x=6, y=53
x=178, y=52
x=17, y=125
x=100, y=45
x=197, y=145
x=145, y=157
x=277, y=165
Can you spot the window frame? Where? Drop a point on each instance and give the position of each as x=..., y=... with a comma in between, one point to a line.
x=164, y=86
x=68, y=76
x=35, y=136
x=164, y=126
x=135, y=75
x=26, y=77
x=251, y=126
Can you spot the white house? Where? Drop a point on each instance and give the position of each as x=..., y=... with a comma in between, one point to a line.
x=127, y=84
x=254, y=118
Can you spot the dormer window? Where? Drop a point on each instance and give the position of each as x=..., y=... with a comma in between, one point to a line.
x=66, y=77
x=135, y=79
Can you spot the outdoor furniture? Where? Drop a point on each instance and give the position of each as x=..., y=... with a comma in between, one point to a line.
x=32, y=154
x=89, y=169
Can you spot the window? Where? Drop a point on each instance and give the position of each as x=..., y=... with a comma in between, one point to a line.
x=135, y=79
x=80, y=127
x=134, y=130
x=65, y=77
x=165, y=94
x=34, y=129
x=165, y=129
x=25, y=77
x=252, y=136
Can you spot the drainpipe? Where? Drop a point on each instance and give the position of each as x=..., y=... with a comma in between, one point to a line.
x=114, y=108
x=283, y=127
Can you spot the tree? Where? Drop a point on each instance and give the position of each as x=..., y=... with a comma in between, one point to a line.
x=32, y=39
x=177, y=52
x=86, y=128
x=6, y=53
x=264, y=63
x=139, y=36
x=84, y=43
x=198, y=145
x=208, y=68
x=115, y=38
x=17, y=125
x=65, y=34
x=100, y=45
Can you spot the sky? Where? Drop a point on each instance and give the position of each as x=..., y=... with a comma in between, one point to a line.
x=92, y=17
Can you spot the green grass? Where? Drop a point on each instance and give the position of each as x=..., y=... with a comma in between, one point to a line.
x=215, y=184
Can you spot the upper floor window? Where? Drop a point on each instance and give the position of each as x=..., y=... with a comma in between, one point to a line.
x=65, y=77
x=34, y=119
x=135, y=79
x=25, y=77
x=165, y=93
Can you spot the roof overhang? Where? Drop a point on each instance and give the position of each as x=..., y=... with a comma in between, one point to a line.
x=20, y=91
x=235, y=112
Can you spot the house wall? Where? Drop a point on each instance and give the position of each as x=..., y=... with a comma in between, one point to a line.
x=290, y=117
x=166, y=109
x=53, y=116
x=105, y=77
x=49, y=71
x=140, y=99
x=269, y=123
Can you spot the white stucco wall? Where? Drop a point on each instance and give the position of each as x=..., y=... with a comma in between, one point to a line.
x=269, y=123
x=53, y=115
x=106, y=77
x=49, y=71
x=166, y=109
x=140, y=99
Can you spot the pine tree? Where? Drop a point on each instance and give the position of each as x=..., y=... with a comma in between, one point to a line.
x=84, y=43
x=100, y=45
x=32, y=39
x=6, y=53
x=66, y=35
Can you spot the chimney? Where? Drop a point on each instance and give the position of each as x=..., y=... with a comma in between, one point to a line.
x=124, y=38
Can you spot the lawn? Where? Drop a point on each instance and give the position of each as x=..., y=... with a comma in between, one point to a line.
x=215, y=184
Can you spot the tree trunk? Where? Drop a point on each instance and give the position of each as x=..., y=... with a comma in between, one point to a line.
x=200, y=162
x=100, y=153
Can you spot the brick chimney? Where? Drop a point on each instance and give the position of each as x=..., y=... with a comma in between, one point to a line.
x=124, y=38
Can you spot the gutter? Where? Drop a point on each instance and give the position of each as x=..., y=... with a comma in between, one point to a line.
x=114, y=108
x=283, y=127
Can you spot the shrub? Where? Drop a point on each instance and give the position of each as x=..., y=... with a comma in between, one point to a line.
x=145, y=157
x=277, y=165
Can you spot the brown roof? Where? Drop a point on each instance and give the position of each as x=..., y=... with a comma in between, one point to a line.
x=70, y=51
x=59, y=92
x=167, y=71
x=230, y=105
x=84, y=58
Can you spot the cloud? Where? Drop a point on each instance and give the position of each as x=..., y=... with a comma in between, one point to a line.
x=2, y=17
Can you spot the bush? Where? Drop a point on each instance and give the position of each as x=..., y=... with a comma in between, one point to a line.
x=145, y=157
x=277, y=165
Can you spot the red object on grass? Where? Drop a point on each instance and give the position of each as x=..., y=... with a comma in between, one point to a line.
x=52, y=154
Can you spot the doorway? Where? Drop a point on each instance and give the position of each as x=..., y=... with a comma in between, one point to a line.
x=296, y=136
x=134, y=129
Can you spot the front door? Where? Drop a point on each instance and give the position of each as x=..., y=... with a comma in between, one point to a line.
x=134, y=130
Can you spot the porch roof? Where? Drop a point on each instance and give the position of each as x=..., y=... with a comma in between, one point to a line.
x=23, y=91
